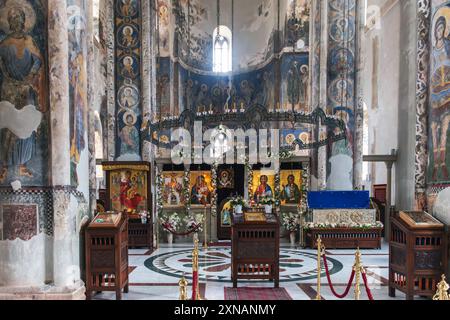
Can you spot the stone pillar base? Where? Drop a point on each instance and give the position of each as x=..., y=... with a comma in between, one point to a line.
x=49, y=292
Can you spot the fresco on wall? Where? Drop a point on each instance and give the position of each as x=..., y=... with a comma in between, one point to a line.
x=163, y=86
x=439, y=115
x=204, y=92
x=164, y=14
x=295, y=82
x=128, y=79
x=254, y=39
x=210, y=92
x=77, y=24
x=194, y=43
x=298, y=24
x=23, y=93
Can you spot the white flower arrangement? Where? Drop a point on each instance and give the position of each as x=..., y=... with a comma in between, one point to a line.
x=194, y=222
x=290, y=221
x=171, y=222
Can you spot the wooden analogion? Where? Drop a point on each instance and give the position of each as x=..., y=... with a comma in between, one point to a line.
x=417, y=254
x=107, y=254
x=255, y=250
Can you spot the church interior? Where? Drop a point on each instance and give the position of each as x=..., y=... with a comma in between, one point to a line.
x=224, y=149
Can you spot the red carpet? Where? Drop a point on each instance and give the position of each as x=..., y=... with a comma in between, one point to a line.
x=265, y=294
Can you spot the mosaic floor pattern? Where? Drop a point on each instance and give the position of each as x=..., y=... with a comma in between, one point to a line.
x=155, y=276
x=215, y=265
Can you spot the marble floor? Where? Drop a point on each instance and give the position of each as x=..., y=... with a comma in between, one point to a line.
x=155, y=276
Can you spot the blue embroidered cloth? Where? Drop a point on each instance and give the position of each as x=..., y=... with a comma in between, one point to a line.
x=339, y=200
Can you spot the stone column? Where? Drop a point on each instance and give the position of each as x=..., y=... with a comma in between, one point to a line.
x=322, y=99
x=213, y=213
x=159, y=191
x=341, y=88
x=66, y=269
x=91, y=115
x=59, y=92
x=359, y=106
x=148, y=66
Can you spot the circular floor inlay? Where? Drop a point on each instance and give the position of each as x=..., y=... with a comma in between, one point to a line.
x=215, y=265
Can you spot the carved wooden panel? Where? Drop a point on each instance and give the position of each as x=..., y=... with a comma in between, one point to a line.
x=398, y=256
x=257, y=250
x=425, y=260
x=103, y=259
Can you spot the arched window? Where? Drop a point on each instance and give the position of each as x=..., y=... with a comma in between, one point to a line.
x=98, y=136
x=222, y=49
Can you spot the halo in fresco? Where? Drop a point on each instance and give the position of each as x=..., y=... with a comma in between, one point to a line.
x=442, y=12
x=342, y=59
x=343, y=29
x=133, y=115
x=23, y=5
x=128, y=97
x=128, y=36
x=341, y=92
x=129, y=67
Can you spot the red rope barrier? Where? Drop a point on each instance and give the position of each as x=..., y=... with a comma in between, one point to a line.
x=369, y=293
x=194, y=285
x=166, y=226
x=349, y=285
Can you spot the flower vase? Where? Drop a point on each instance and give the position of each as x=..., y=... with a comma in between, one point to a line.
x=238, y=209
x=292, y=238
x=268, y=208
x=144, y=220
x=169, y=238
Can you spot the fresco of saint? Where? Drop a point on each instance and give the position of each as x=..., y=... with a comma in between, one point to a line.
x=129, y=39
x=128, y=67
x=128, y=8
x=22, y=83
x=128, y=98
x=440, y=99
x=129, y=136
x=78, y=85
x=293, y=84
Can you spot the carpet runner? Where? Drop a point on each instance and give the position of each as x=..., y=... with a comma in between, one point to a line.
x=269, y=294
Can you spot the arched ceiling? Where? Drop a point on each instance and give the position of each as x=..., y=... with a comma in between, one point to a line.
x=254, y=22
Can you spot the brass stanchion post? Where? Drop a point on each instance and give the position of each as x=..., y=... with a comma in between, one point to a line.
x=195, y=271
x=357, y=268
x=320, y=252
x=442, y=290
x=183, y=288
x=205, y=245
